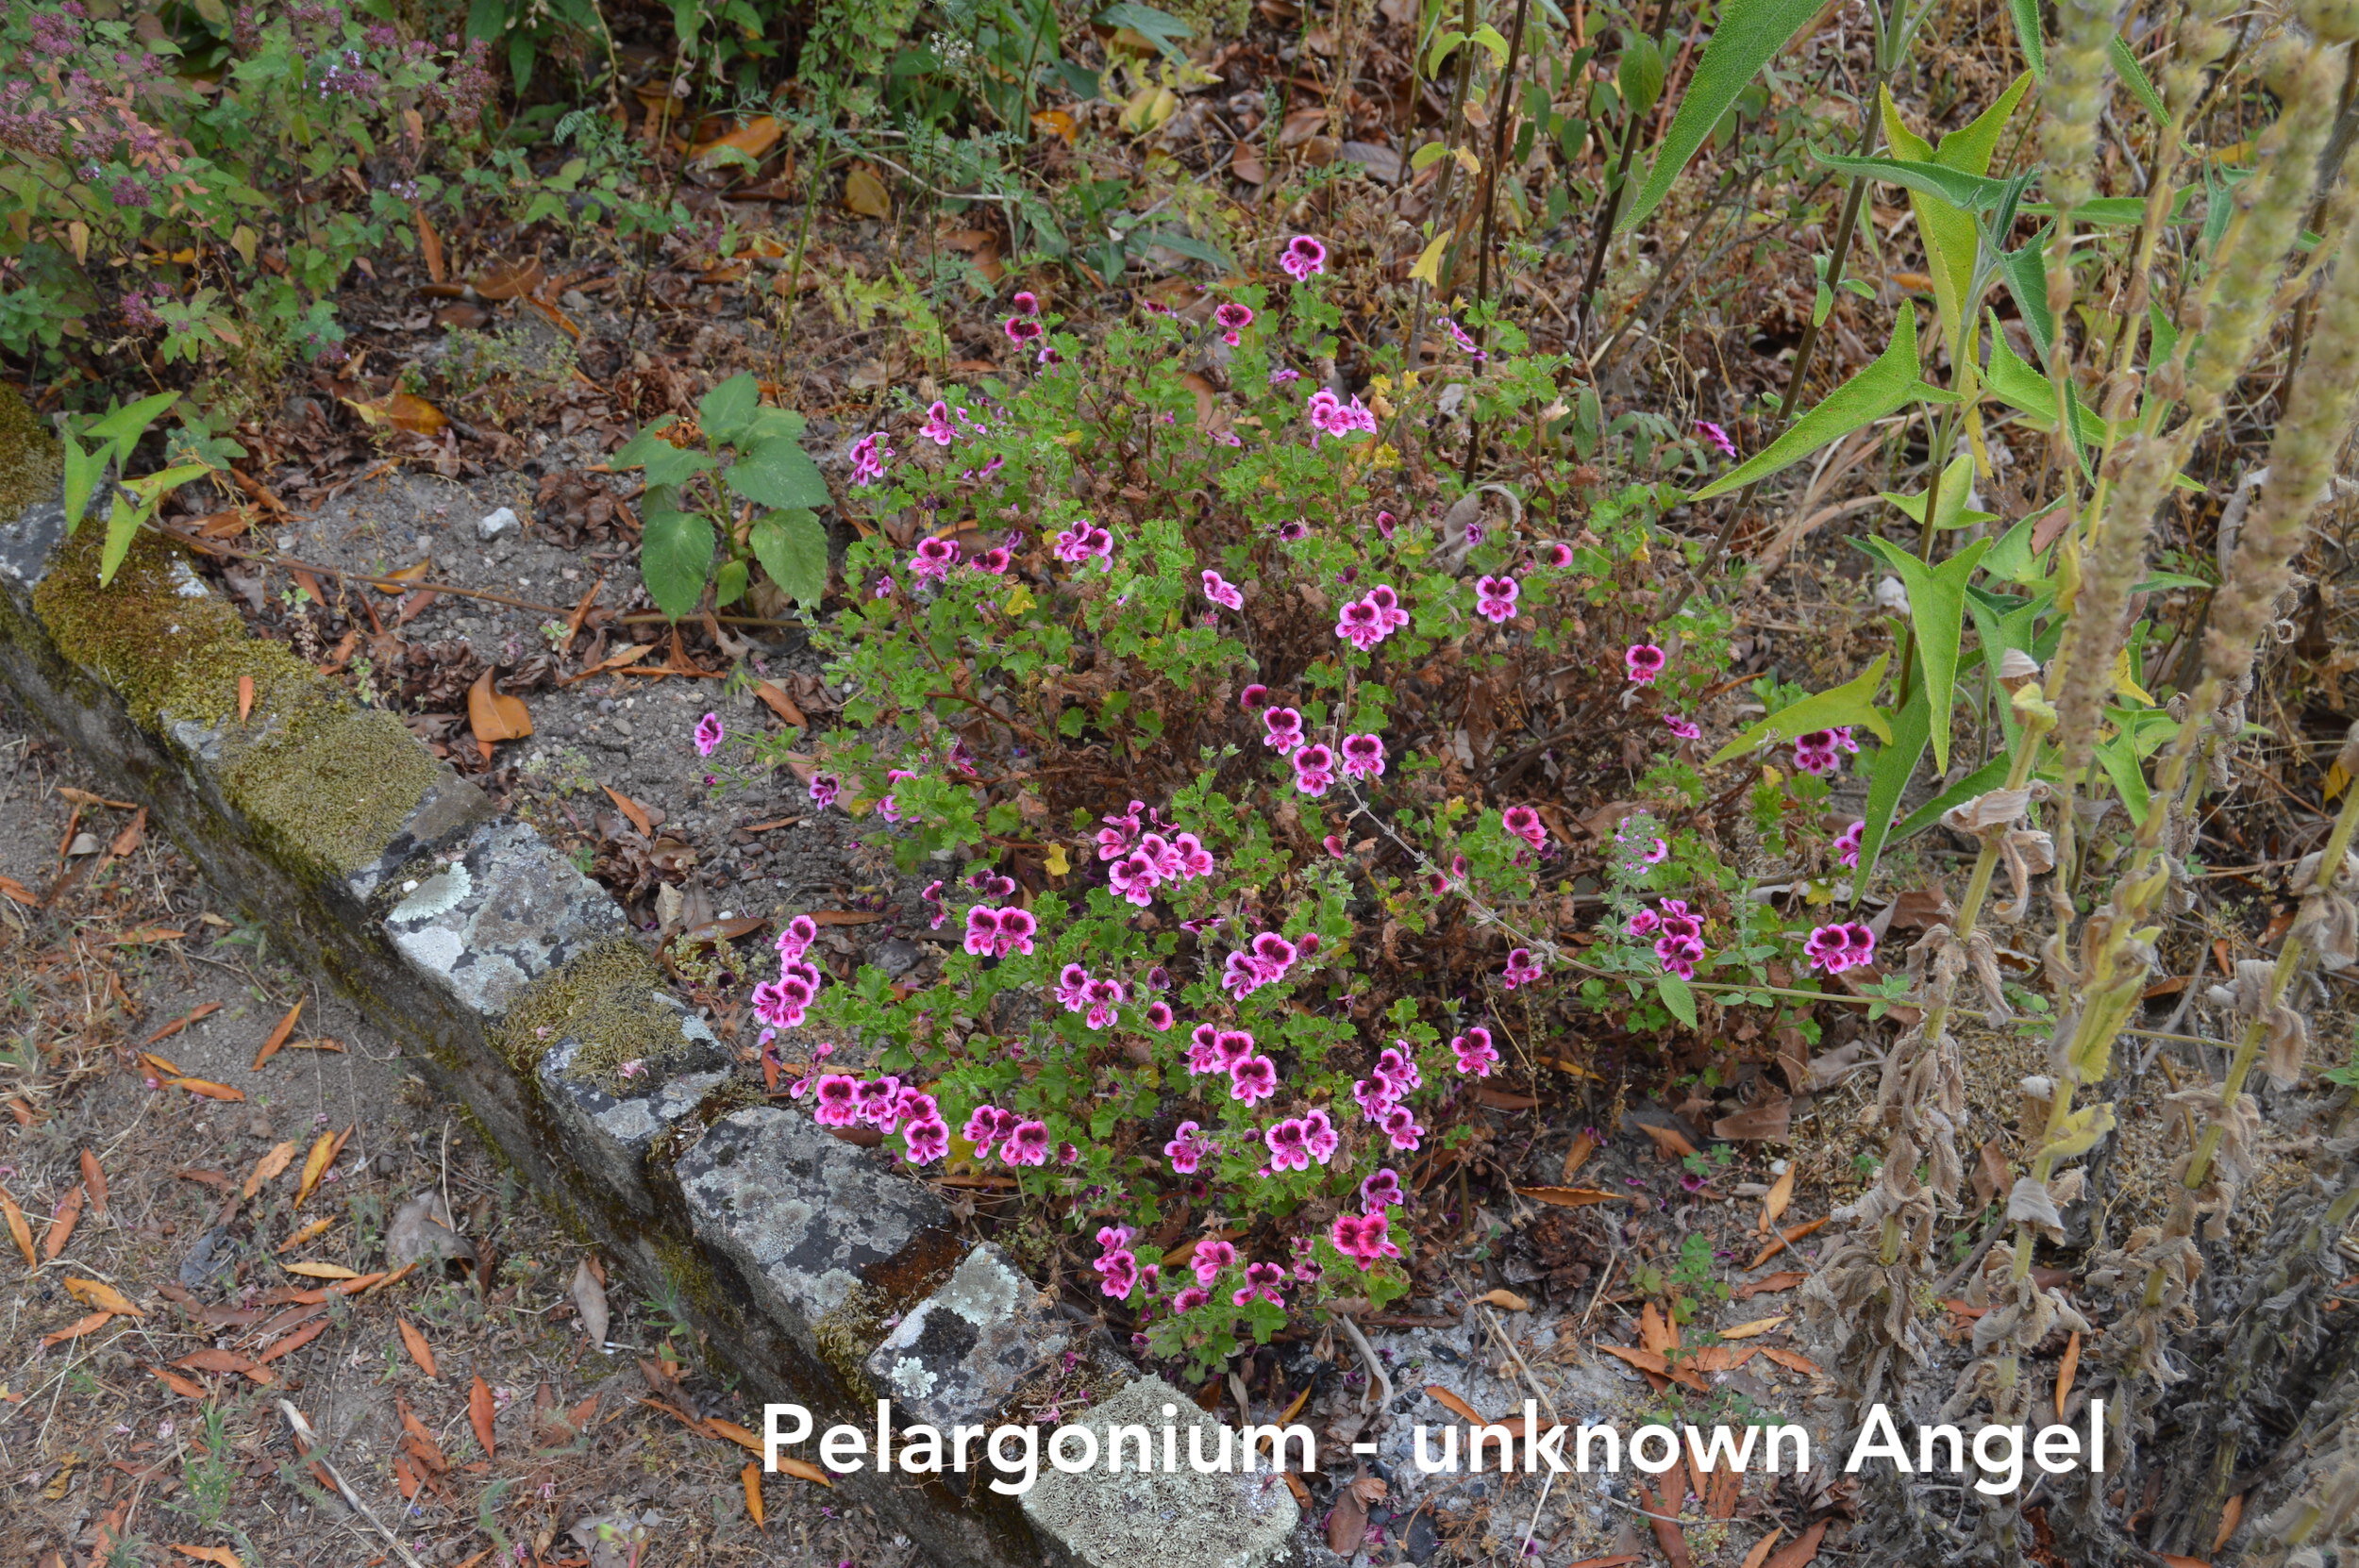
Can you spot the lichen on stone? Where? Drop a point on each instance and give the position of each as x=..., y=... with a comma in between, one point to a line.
x=31, y=463
x=606, y=999
x=850, y=1332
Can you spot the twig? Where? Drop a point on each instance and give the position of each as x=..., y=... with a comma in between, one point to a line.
x=312, y=1452
x=1377, y=1376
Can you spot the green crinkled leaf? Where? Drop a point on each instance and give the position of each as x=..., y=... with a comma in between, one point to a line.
x=723, y=411
x=1937, y=609
x=792, y=546
x=675, y=554
x=1887, y=383
x=667, y=467
x=1853, y=703
x=1748, y=37
x=778, y=473
x=1678, y=996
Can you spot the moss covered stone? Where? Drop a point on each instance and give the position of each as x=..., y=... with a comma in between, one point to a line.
x=332, y=781
x=31, y=462
x=607, y=1000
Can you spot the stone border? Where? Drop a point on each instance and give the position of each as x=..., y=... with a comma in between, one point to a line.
x=821, y=1272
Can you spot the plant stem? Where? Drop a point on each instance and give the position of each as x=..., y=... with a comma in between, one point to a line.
x=1502, y=111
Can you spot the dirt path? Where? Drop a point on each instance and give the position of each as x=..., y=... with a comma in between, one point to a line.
x=117, y=1448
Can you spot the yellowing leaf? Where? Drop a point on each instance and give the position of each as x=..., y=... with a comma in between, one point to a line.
x=221, y=1556
x=864, y=193
x=803, y=1470
x=1748, y=1330
x=1782, y=1194
x=1507, y=1299
x=105, y=1297
x=315, y=1165
x=403, y=411
x=2124, y=682
x=496, y=715
x=323, y=1271
x=1429, y=268
x=1054, y=858
x=313, y=1231
x=1020, y=600
x=742, y=147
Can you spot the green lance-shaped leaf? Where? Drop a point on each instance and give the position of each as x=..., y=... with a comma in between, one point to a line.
x=2134, y=76
x=792, y=546
x=1950, y=510
x=135, y=502
x=2025, y=15
x=675, y=554
x=83, y=469
x=1888, y=776
x=1750, y=36
x=1951, y=241
x=1887, y=383
x=1851, y=702
x=1967, y=192
x=1937, y=607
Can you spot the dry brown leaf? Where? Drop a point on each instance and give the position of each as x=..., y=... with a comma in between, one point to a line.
x=431, y=246
x=278, y=1036
x=1453, y=1404
x=1783, y=1239
x=1784, y=1279
x=865, y=194
x=403, y=411
x=98, y=1294
x=220, y=1555
x=2065, y=1370
x=1804, y=1550
x=323, y=1271
x=204, y=1011
x=1720, y=1358
x=730, y=1429
x=1758, y=1326
x=78, y=1327
x=1770, y=1122
x=83, y=797
x=1499, y=1099
x=310, y=1231
x=1657, y=1332
x=589, y=1301
x=419, y=1350
x=1578, y=1156
x=1669, y=1141
x=17, y=891
x=2174, y=1561
x=750, y=1477
x=94, y=1182
x=1347, y=1525
x=208, y=1089
x=495, y=716
x=780, y=704
x=1568, y=1197
x=186, y=1388
x=479, y=1411
x=1763, y=1548
x=295, y=1340
x=61, y=1224
x=22, y=1232
x=1647, y=1360
x=754, y=138
x=2229, y=1517
x=803, y=1470
x=631, y=809
x=315, y=1165
x=133, y=832
x=1508, y=1299
x=1793, y=1360
x=1773, y=1207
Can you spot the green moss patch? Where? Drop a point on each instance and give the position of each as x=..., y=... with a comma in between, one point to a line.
x=605, y=998
x=332, y=781
x=31, y=462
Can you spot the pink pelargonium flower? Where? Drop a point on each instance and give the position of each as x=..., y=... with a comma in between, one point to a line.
x=924, y=1141
x=1315, y=770
x=1118, y=1275
x=1253, y=1080
x=1521, y=969
x=1835, y=948
x=1475, y=1052
x=1397, y=1069
x=1363, y=756
x=797, y=938
x=1028, y=1144
x=1814, y=751
x=835, y=1101
x=1331, y=415
x=710, y=732
x=1387, y=602
x=1020, y=330
x=1718, y=436
x=1361, y=623
x=1319, y=1136
x=1289, y=1145
x=879, y=1102
x=985, y=1126
x=1381, y=1191
x=938, y=427
x=1687, y=730
x=1399, y=1126
x=1221, y=592
x=1210, y=1257
x=1084, y=542
x=1261, y=1282
x=1282, y=729
x=1232, y=315
x=1303, y=259
x=1189, y=1299
x=1846, y=845
x=1494, y=599
x=825, y=788
x=1134, y=877
x=1642, y=662
x=1363, y=1238
x=868, y=457
x=1186, y=1149
x=1525, y=824
x=933, y=559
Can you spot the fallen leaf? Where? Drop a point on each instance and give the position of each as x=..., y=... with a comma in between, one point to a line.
x=1720, y=1358
x=495, y=716
x=309, y=1232
x=780, y=704
x=83, y=797
x=1056, y=123
x=631, y=809
x=751, y=1479
x=186, y=1388
x=1245, y=162
x=295, y=1340
x=1499, y=1099
x=419, y=1350
x=1782, y=1240
x=741, y=1436
x=1803, y=1550
x=206, y=1010
x=1780, y=1193
x=1647, y=1360
x=1759, y=1326
x=514, y=282
x=278, y=1035
x=1656, y=1331
x=1784, y=1279
x=128, y=840
x=1347, y=1525
x=590, y=1300
x=1453, y=1404
x=162, y=1067
x=403, y=411
x=323, y=1271
x=61, y=1224
x=749, y=140
x=422, y=1231
x=803, y=1470
x=1992, y=1174
x=315, y=1165
x=1769, y=1121
x=431, y=246
x=1793, y=1360
x=479, y=1410
x=1761, y=1547
x=1567, y=1197
x=102, y=1297
x=12, y=889
x=1508, y=1299
x=209, y=1088
x=316, y=1042
x=1578, y=1156
x=246, y=698
x=94, y=1181
x=215, y=1360
x=865, y=194
x=2177, y=1561
x=78, y=1327
x=2065, y=1370
x=20, y=1231
x=1669, y=1141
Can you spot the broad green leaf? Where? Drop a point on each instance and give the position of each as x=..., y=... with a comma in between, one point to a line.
x=1887, y=383
x=1888, y=774
x=83, y=469
x=1951, y=240
x=1640, y=74
x=675, y=553
x=1158, y=27
x=2022, y=387
x=768, y=423
x=153, y=488
x=1678, y=996
x=2025, y=15
x=722, y=412
x=123, y=526
x=132, y=419
x=2025, y=270
x=1851, y=702
x=792, y=546
x=1967, y=192
x=2134, y=76
x=1957, y=482
x=1186, y=245
x=1495, y=41
x=2120, y=762
x=1937, y=609
x=2114, y=211
x=779, y=474
x=2011, y=558
x=729, y=583
x=667, y=466
x=1749, y=35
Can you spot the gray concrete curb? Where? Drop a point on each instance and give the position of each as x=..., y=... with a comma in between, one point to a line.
x=823, y=1275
